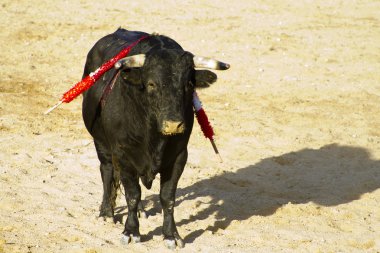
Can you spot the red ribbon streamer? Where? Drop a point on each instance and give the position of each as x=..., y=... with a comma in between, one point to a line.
x=205, y=124
x=89, y=80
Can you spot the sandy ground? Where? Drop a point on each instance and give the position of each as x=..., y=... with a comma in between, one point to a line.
x=297, y=119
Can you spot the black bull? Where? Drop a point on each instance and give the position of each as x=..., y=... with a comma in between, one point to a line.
x=143, y=124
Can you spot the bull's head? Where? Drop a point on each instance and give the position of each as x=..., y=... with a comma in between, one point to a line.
x=169, y=77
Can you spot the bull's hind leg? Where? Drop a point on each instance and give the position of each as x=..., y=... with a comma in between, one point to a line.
x=110, y=179
x=132, y=188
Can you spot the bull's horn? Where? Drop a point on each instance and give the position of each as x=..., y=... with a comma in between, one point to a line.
x=207, y=63
x=134, y=61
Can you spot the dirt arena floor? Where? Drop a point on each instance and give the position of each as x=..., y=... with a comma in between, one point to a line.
x=297, y=119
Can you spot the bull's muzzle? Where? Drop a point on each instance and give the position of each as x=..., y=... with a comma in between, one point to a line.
x=172, y=127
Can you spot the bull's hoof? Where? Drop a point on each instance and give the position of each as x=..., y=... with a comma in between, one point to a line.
x=106, y=211
x=106, y=216
x=127, y=239
x=107, y=219
x=170, y=244
x=176, y=241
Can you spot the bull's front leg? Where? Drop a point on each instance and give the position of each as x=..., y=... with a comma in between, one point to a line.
x=169, y=181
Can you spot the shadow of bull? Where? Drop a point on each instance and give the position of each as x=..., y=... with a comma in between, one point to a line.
x=328, y=176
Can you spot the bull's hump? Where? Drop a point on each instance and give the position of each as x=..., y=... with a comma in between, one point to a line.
x=128, y=36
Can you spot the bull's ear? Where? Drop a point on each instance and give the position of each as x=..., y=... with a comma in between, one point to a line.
x=203, y=78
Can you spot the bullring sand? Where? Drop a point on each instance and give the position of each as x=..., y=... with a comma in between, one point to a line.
x=297, y=119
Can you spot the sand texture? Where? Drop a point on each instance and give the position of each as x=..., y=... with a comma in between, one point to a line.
x=297, y=122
